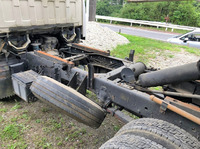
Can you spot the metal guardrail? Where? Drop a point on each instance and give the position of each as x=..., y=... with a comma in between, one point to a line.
x=149, y=23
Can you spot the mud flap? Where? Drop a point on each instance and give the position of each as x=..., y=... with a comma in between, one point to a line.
x=68, y=100
x=6, y=88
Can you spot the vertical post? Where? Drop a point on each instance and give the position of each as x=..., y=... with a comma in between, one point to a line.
x=90, y=80
x=84, y=20
x=92, y=10
x=87, y=10
x=131, y=55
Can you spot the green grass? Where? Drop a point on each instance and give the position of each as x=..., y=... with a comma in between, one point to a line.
x=14, y=119
x=16, y=106
x=42, y=143
x=11, y=132
x=116, y=128
x=92, y=96
x=37, y=121
x=1, y=118
x=20, y=145
x=3, y=110
x=157, y=88
x=77, y=132
x=146, y=48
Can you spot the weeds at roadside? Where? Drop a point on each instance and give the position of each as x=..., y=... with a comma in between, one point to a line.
x=20, y=145
x=46, y=129
x=193, y=51
x=11, y=132
x=96, y=141
x=14, y=119
x=37, y=121
x=25, y=112
x=42, y=143
x=92, y=96
x=71, y=124
x=143, y=48
x=3, y=110
x=12, y=135
x=1, y=119
x=71, y=147
x=130, y=114
x=16, y=106
x=44, y=110
x=59, y=143
x=170, y=56
x=54, y=124
x=116, y=128
x=25, y=116
x=75, y=133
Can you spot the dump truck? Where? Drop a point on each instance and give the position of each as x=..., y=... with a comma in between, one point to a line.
x=41, y=59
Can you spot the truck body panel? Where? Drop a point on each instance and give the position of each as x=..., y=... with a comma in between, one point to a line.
x=29, y=13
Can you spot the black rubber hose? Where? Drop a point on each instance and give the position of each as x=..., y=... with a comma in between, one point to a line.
x=187, y=72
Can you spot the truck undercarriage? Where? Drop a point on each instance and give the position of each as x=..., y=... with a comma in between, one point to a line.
x=40, y=58
x=51, y=66
x=119, y=84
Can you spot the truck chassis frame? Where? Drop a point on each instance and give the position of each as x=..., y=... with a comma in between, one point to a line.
x=84, y=68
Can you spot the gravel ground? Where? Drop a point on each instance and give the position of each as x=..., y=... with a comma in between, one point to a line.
x=170, y=59
x=102, y=37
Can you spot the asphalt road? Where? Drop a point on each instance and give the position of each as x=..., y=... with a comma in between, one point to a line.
x=140, y=32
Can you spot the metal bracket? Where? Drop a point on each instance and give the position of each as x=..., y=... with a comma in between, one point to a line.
x=73, y=82
x=83, y=86
x=131, y=55
x=119, y=115
x=163, y=106
x=90, y=76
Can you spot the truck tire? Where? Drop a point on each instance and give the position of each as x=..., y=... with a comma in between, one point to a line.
x=161, y=132
x=130, y=141
x=68, y=100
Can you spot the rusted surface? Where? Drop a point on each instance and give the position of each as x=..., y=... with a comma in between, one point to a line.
x=89, y=49
x=119, y=115
x=55, y=57
x=2, y=77
x=190, y=106
x=176, y=110
x=2, y=45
